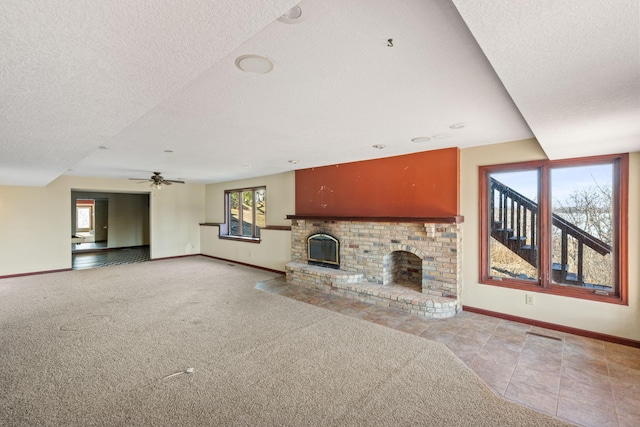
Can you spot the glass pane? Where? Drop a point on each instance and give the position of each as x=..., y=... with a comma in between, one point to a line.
x=514, y=225
x=234, y=213
x=261, y=210
x=83, y=218
x=247, y=213
x=582, y=231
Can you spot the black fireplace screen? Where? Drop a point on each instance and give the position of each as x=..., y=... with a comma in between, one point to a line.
x=323, y=250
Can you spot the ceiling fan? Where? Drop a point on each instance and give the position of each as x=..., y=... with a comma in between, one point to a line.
x=157, y=181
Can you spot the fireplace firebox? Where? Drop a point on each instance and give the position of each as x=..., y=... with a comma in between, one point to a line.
x=323, y=250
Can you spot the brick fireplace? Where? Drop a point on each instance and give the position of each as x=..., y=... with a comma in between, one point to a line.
x=409, y=263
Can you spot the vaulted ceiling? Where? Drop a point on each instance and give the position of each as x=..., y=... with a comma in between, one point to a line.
x=121, y=89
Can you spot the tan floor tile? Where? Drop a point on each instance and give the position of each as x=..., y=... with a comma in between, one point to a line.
x=625, y=388
x=385, y=311
x=365, y=315
x=593, y=373
x=467, y=356
x=548, y=332
x=389, y=322
x=535, y=341
x=359, y=305
x=627, y=421
x=541, y=358
x=584, y=342
x=475, y=334
x=579, y=353
x=508, y=328
x=437, y=336
x=624, y=373
x=513, y=343
x=465, y=343
x=444, y=326
x=487, y=325
x=496, y=375
x=548, y=381
x=534, y=398
x=348, y=311
x=600, y=393
x=465, y=348
x=587, y=414
x=628, y=406
x=500, y=355
x=627, y=360
x=413, y=325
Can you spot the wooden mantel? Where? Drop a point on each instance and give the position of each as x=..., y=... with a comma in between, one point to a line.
x=457, y=219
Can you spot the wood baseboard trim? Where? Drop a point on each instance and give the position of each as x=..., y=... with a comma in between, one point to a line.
x=270, y=270
x=173, y=257
x=33, y=273
x=553, y=326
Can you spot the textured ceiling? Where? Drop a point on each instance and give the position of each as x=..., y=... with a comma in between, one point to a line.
x=571, y=67
x=143, y=77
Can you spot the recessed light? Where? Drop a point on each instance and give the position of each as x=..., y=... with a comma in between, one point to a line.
x=456, y=126
x=379, y=146
x=293, y=162
x=293, y=15
x=441, y=136
x=254, y=64
x=246, y=166
x=421, y=139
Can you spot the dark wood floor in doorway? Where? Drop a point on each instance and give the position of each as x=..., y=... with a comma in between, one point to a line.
x=103, y=258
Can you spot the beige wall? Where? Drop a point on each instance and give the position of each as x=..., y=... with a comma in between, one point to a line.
x=274, y=250
x=35, y=222
x=612, y=319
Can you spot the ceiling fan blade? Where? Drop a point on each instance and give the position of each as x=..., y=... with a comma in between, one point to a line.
x=173, y=181
x=139, y=179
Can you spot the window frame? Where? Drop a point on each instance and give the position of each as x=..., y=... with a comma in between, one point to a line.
x=544, y=283
x=225, y=228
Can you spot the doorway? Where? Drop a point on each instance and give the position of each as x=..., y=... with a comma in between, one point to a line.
x=109, y=228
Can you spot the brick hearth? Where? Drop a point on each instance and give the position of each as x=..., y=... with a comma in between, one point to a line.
x=414, y=266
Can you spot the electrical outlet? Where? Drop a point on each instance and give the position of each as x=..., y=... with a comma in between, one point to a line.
x=528, y=299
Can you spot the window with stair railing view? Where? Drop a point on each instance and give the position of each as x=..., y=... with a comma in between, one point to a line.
x=556, y=226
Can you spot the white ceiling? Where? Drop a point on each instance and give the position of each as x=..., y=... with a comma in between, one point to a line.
x=143, y=77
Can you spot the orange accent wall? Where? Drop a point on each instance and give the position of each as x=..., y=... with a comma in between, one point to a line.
x=422, y=184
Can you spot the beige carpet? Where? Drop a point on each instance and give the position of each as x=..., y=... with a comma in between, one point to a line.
x=92, y=347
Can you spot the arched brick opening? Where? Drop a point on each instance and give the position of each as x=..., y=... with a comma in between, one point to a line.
x=402, y=268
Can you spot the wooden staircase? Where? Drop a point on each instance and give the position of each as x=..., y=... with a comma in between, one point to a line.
x=515, y=222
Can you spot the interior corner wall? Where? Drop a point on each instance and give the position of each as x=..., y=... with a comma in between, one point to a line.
x=35, y=222
x=424, y=184
x=611, y=319
x=274, y=249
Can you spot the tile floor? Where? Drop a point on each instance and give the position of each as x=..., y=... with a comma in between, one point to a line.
x=581, y=380
x=102, y=258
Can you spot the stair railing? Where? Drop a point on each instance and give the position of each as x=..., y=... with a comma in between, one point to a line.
x=515, y=221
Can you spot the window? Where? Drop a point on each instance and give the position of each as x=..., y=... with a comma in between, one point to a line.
x=245, y=213
x=84, y=217
x=556, y=226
